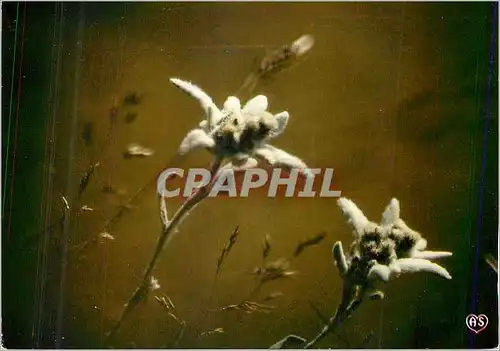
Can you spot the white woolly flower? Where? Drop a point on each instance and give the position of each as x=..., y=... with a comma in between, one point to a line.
x=240, y=134
x=386, y=250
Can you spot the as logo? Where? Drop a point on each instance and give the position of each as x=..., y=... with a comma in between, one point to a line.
x=476, y=323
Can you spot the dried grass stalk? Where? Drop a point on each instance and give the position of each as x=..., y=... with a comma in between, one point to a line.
x=166, y=235
x=167, y=303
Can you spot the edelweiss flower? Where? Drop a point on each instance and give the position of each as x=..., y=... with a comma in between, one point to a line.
x=239, y=134
x=379, y=252
x=383, y=251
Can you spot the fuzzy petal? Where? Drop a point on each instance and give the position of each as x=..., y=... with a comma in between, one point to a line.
x=391, y=213
x=232, y=105
x=395, y=268
x=411, y=265
x=239, y=163
x=279, y=158
x=255, y=106
x=196, y=138
x=282, y=119
x=339, y=259
x=430, y=255
x=204, y=125
x=212, y=112
x=421, y=244
x=379, y=271
x=355, y=216
x=242, y=164
x=214, y=115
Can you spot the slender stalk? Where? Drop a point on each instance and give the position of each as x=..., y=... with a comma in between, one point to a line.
x=254, y=291
x=225, y=252
x=180, y=335
x=142, y=289
x=334, y=322
x=347, y=306
x=209, y=304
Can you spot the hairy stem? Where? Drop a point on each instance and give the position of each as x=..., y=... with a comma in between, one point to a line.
x=142, y=289
x=347, y=306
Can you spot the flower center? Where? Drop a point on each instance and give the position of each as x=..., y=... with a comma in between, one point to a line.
x=243, y=133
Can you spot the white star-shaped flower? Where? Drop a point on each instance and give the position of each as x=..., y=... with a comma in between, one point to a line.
x=388, y=249
x=239, y=134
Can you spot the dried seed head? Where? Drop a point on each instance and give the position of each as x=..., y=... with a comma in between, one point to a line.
x=249, y=307
x=272, y=296
x=153, y=284
x=136, y=150
x=228, y=247
x=275, y=270
x=106, y=236
x=308, y=243
x=85, y=180
x=86, y=208
x=266, y=246
x=132, y=98
x=302, y=45
x=213, y=331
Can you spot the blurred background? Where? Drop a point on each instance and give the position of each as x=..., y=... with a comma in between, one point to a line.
x=400, y=99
